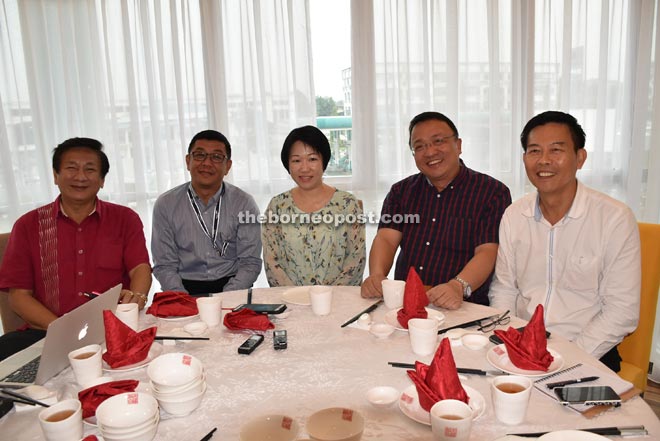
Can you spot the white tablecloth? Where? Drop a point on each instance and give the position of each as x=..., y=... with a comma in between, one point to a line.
x=327, y=366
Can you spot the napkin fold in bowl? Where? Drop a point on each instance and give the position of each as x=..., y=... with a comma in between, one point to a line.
x=528, y=349
x=92, y=397
x=124, y=345
x=439, y=381
x=414, y=300
x=247, y=319
x=173, y=304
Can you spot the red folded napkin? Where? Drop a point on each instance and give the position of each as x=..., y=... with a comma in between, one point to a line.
x=125, y=346
x=439, y=381
x=414, y=299
x=92, y=397
x=90, y=438
x=247, y=319
x=173, y=304
x=528, y=349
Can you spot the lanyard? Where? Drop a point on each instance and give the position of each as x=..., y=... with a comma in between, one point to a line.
x=216, y=220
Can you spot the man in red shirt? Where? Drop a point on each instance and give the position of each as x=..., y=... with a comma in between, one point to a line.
x=74, y=245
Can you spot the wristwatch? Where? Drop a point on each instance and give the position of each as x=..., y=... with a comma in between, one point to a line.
x=467, y=289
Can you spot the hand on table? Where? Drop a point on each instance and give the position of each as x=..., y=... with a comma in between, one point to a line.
x=447, y=295
x=128, y=296
x=372, y=287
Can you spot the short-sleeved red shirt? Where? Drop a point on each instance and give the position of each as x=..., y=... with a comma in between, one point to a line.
x=58, y=259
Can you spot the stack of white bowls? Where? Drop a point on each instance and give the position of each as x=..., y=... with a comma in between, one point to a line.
x=178, y=382
x=129, y=416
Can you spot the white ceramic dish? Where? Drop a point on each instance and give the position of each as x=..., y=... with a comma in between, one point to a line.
x=382, y=396
x=270, y=427
x=381, y=330
x=154, y=351
x=572, y=435
x=195, y=328
x=181, y=408
x=297, y=296
x=409, y=404
x=126, y=410
x=171, y=371
x=474, y=342
x=499, y=359
x=391, y=319
x=335, y=424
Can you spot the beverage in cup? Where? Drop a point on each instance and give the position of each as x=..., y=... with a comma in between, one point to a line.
x=62, y=421
x=451, y=420
x=86, y=363
x=510, y=395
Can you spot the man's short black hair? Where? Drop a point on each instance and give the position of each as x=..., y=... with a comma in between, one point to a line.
x=427, y=116
x=211, y=135
x=554, y=116
x=308, y=135
x=85, y=143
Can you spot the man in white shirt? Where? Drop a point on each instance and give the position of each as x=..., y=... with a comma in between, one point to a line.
x=568, y=247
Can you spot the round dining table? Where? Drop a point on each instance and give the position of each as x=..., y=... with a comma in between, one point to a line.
x=327, y=365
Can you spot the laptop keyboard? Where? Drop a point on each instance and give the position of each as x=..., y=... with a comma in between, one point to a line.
x=24, y=374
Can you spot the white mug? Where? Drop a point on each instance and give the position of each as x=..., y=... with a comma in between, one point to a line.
x=510, y=395
x=423, y=335
x=321, y=299
x=393, y=293
x=86, y=363
x=62, y=421
x=451, y=420
x=210, y=310
x=129, y=314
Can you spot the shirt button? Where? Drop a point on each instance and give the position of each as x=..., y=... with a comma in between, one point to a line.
x=437, y=196
x=433, y=219
x=80, y=294
x=80, y=251
x=421, y=268
x=428, y=243
x=80, y=273
x=79, y=230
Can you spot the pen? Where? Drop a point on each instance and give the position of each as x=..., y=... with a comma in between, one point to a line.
x=369, y=309
x=90, y=295
x=567, y=382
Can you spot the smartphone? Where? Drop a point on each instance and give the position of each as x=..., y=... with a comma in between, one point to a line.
x=592, y=395
x=279, y=339
x=263, y=308
x=250, y=344
x=495, y=339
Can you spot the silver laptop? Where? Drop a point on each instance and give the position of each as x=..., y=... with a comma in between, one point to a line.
x=43, y=360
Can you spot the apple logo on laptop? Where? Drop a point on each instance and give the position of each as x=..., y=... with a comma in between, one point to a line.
x=83, y=332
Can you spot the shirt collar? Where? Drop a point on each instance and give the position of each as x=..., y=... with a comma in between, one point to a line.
x=577, y=209
x=218, y=194
x=98, y=208
x=458, y=179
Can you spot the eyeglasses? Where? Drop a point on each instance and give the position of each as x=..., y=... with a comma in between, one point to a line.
x=215, y=157
x=504, y=319
x=437, y=142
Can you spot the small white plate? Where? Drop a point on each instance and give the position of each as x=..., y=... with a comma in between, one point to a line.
x=297, y=296
x=499, y=359
x=573, y=435
x=409, y=404
x=179, y=318
x=154, y=351
x=390, y=317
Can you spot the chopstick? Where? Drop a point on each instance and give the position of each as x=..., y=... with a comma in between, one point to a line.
x=209, y=435
x=460, y=370
x=179, y=337
x=23, y=397
x=367, y=310
x=17, y=400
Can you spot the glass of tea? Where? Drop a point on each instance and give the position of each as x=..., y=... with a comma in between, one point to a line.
x=510, y=395
x=62, y=421
x=451, y=420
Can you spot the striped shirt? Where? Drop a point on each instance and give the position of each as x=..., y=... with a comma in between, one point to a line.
x=450, y=225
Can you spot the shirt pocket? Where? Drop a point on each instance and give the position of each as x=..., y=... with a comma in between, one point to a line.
x=110, y=256
x=581, y=273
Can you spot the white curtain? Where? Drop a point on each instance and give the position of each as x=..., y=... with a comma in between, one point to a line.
x=490, y=65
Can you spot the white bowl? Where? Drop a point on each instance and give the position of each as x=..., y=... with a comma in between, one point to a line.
x=126, y=410
x=335, y=424
x=270, y=427
x=474, y=341
x=195, y=385
x=184, y=395
x=382, y=396
x=181, y=408
x=173, y=370
x=147, y=434
x=381, y=330
x=130, y=430
x=96, y=381
x=195, y=328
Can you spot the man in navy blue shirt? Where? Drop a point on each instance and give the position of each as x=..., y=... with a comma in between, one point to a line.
x=445, y=220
